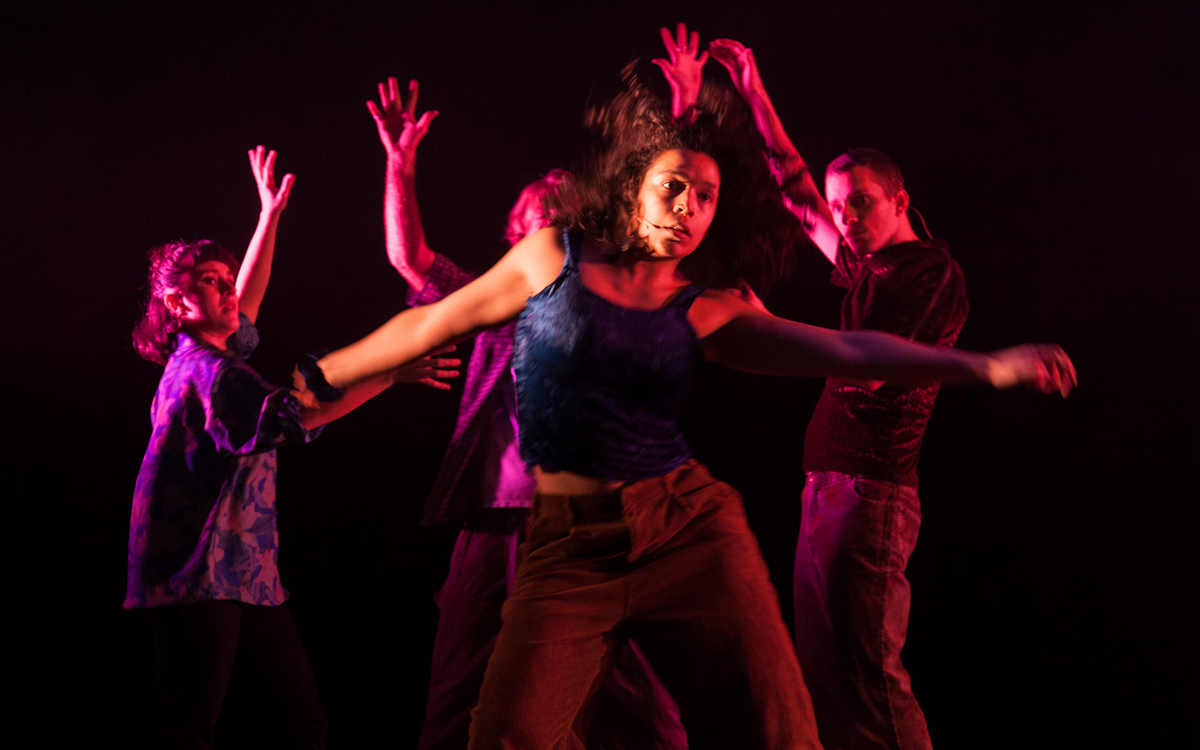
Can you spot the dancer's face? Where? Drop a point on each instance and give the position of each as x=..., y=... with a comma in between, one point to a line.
x=866, y=216
x=208, y=305
x=678, y=201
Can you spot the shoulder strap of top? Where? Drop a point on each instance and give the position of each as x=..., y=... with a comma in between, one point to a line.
x=573, y=244
x=687, y=296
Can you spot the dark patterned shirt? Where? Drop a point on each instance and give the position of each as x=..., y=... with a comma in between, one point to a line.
x=916, y=291
x=203, y=521
x=482, y=467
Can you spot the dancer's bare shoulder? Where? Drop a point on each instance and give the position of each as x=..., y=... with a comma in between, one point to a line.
x=539, y=258
x=714, y=308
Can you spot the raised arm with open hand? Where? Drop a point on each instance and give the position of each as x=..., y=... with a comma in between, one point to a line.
x=401, y=131
x=738, y=59
x=255, y=271
x=684, y=69
x=795, y=180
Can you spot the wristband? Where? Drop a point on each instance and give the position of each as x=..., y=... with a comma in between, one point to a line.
x=314, y=378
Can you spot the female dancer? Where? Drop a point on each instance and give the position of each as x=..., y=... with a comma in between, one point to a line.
x=630, y=535
x=483, y=484
x=202, y=539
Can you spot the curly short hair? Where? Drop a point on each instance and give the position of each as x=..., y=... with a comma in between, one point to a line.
x=538, y=196
x=170, y=264
x=752, y=237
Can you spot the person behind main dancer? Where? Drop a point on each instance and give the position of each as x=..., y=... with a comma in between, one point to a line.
x=203, y=540
x=483, y=485
x=630, y=534
x=861, y=511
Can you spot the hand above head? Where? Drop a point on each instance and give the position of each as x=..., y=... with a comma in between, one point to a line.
x=795, y=181
x=739, y=61
x=1044, y=368
x=255, y=271
x=274, y=199
x=400, y=129
x=684, y=70
x=427, y=370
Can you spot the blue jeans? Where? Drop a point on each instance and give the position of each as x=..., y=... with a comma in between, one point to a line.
x=852, y=603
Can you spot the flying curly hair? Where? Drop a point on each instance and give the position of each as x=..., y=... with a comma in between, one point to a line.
x=753, y=235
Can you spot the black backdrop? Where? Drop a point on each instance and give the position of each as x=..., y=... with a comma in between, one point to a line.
x=1055, y=586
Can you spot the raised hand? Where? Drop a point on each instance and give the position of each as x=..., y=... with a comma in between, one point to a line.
x=1045, y=368
x=400, y=129
x=684, y=68
x=255, y=271
x=427, y=370
x=739, y=61
x=274, y=199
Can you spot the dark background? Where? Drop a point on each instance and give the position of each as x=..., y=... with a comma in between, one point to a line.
x=1055, y=586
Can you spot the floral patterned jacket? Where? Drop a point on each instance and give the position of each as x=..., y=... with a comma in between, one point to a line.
x=203, y=522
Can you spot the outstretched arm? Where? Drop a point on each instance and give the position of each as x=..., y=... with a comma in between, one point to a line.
x=795, y=180
x=684, y=69
x=255, y=271
x=739, y=336
x=494, y=298
x=401, y=130
x=427, y=371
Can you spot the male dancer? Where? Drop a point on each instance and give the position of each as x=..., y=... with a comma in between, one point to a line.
x=861, y=511
x=483, y=484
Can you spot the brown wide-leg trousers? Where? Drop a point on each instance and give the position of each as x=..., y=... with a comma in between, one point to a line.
x=671, y=562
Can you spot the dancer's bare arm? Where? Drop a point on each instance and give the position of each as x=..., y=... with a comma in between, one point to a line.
x=431, y=371
x=491, y=300
x=736, y=334
x=795, y=180
x=255, y=271
x=400, y=131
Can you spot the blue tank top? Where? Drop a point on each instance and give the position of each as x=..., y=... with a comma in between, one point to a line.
x=599, y=386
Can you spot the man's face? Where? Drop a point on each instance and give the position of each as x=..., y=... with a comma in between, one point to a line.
x=865, y=216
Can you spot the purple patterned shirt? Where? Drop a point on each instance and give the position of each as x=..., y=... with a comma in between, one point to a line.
x=203, y=521
x=482, y=466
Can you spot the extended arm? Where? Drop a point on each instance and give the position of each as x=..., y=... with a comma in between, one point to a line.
x=400, y=131
x=319, y=413
x=684, y=69
x=255, y=271
x=795, y=180
x=425, y=371
x=494, y=298
x=739, y=336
